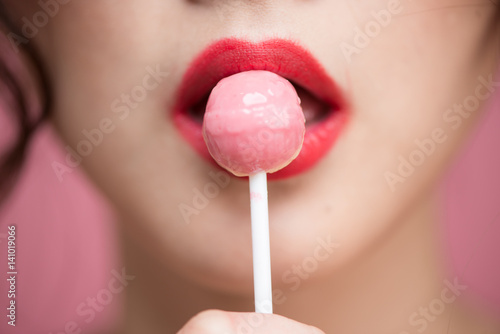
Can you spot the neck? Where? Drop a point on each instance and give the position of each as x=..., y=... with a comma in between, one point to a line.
x=399, y=277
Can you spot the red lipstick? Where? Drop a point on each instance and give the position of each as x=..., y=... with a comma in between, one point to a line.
x=319, y=93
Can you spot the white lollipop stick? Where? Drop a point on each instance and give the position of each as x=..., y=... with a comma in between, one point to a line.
x=260, y=243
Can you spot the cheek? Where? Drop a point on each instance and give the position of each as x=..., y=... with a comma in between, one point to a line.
x=421, y=80
x=109, y=65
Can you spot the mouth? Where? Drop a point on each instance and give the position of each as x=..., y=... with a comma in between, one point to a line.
x=324, y=107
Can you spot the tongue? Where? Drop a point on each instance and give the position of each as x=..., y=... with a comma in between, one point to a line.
x=254, y=123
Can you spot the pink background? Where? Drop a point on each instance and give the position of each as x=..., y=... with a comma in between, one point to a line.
x=67, y=250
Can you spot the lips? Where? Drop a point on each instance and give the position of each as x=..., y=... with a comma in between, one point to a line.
x=324, y=107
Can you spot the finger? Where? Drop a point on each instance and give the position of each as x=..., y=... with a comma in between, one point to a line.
x=220, y=322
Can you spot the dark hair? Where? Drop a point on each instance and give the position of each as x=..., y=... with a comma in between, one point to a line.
x=21, y=109
x=11, y=160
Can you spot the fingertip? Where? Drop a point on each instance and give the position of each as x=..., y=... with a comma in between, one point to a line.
x=209, y=322
x=315, y=330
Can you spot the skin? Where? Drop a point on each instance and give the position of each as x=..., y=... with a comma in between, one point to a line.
x=387, y=261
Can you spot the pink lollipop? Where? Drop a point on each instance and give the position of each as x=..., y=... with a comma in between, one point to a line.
x=254, y=125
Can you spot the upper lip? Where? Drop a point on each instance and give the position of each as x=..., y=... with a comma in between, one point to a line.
x=283, y=57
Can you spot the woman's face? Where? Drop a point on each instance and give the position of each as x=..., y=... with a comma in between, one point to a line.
x=412, y=72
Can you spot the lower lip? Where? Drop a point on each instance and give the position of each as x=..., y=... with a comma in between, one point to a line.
x=224, y=58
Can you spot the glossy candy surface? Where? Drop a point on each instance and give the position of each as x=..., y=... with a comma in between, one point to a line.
x=253, y=122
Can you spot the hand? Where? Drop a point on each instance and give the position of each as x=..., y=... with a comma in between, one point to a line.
x=220, y=322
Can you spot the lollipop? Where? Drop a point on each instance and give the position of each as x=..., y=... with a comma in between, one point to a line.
x=254, y=125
